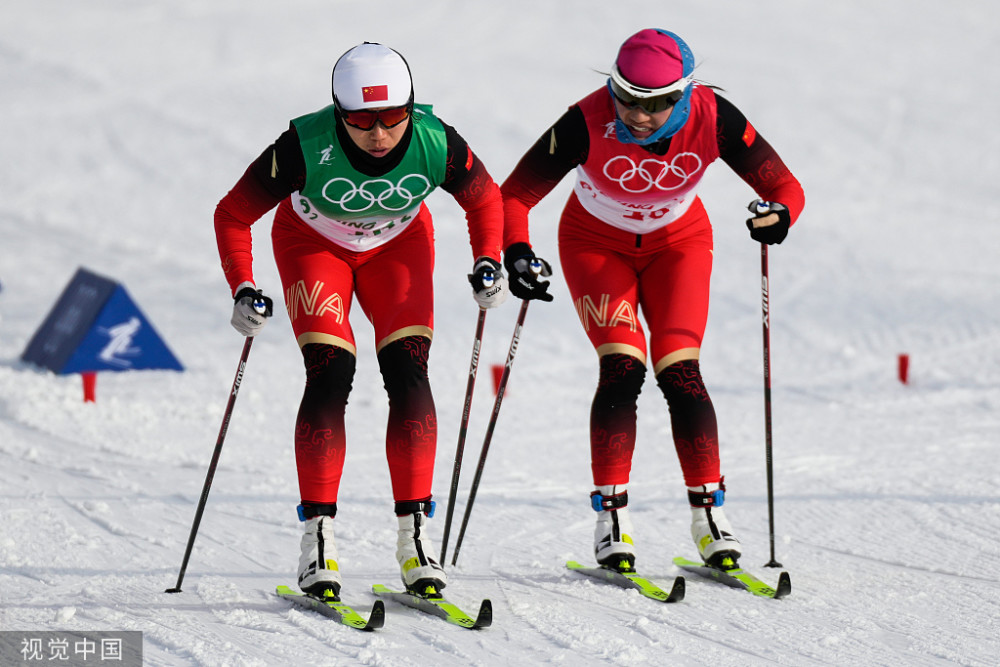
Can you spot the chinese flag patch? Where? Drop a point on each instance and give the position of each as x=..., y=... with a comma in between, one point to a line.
x=749, y=134
x=375, y=93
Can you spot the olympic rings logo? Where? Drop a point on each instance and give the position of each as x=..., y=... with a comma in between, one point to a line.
x=650, y=173
x=381, y=192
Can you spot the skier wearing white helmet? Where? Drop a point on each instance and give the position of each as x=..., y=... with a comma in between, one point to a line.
x=634, y=238
x=349, y=182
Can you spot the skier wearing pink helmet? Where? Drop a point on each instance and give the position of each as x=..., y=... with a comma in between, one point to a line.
x=635, y=238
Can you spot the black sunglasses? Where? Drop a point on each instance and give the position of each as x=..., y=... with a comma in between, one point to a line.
x=648, y=104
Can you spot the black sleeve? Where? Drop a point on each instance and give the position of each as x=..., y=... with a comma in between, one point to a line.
x=281, y=168
x=563, y=147
x=461, y=161
x=739, y=144
x=754, y=160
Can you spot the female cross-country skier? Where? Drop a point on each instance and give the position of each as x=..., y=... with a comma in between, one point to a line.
x=634, y=238
x=349, y=182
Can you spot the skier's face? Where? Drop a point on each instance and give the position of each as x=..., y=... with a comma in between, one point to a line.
x=641, y=123
x=379, y=140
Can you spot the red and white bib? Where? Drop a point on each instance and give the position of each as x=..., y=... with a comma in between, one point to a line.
x=633, y=189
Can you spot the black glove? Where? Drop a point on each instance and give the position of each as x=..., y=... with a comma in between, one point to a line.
x=489, y=286
x=251, y=310
x=524, y=268
x=774, y=232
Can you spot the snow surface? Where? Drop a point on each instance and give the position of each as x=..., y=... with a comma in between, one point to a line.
x=125, y=122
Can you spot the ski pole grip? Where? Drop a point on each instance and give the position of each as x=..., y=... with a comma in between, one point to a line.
x=262, y=305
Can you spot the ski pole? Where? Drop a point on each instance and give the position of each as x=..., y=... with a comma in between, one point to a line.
x=463, y=430
x=763, y=207
x=489, y=429
x=215, y=456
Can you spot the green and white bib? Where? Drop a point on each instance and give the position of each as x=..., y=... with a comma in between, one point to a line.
x=352, y=209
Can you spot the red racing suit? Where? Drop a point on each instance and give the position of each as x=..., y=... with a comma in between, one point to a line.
x=634, y=238
x=389, y=270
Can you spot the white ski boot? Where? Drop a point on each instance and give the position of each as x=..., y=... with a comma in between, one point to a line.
x=319, y=570
x=710, y=528
x=613, y=545
x=420, y=571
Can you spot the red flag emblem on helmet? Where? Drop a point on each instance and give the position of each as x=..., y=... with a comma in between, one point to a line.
x=375, y=93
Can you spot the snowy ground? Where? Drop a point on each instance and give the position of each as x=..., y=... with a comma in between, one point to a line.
x=125, y=122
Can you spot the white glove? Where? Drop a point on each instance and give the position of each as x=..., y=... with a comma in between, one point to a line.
x=251, y=310
x=489, y=285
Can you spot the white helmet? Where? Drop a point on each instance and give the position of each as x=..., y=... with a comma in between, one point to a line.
x=369, y=76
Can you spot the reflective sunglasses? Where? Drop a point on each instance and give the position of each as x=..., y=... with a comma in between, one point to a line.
x=365, y=119
x=651, y=100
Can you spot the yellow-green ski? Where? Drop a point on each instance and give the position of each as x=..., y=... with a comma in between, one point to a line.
x=737, y=577
x=432, y=602
x=631, y=579
x=332, y=606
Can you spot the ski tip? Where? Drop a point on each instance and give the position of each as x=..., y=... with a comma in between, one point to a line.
x=678, y=590
x=376, y=619
x=484, y=618
x=784, y=587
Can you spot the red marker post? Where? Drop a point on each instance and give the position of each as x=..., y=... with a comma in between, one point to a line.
x=903, y=364
x=89, y=387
